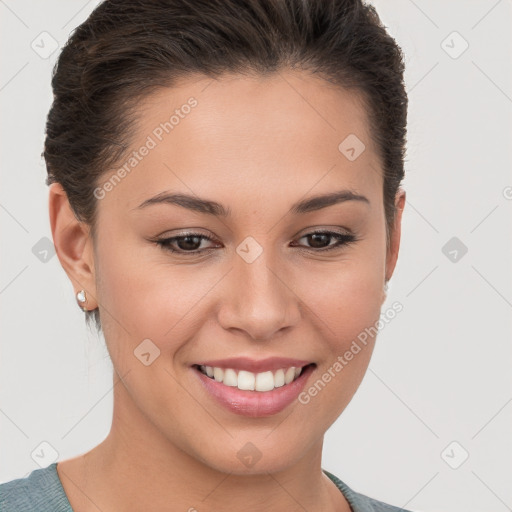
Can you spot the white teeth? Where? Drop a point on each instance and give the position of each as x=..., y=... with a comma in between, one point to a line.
x=279, y=378
x=289, y=375
x=249, y=381
x=246, y=380
x=230, y=378
x=264, y=381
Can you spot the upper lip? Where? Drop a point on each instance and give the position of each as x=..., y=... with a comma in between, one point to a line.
x=253, y=365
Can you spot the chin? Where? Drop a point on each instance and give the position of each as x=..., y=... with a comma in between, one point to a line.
x=256, y=454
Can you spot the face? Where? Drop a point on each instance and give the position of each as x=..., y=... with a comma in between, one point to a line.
x=245, y=284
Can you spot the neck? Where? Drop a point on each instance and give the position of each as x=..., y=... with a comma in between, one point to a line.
x=137, y=468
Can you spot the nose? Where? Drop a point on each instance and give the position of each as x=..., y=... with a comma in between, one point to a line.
x=258, y=299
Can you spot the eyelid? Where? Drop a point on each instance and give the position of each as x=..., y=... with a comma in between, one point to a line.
x=186, y=232
x=324, y=229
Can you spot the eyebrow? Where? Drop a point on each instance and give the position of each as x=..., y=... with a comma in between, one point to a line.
x=209, y=207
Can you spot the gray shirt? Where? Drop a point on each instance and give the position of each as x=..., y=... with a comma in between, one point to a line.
x=42, y=491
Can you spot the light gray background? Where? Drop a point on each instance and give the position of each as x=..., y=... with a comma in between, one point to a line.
x=441, y=370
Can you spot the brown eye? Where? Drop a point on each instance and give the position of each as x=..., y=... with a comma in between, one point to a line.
x=188, y=243
x=320, y=240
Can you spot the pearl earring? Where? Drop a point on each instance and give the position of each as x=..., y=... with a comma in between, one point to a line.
x=81, y=297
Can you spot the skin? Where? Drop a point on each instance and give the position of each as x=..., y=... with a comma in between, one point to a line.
x=256, y=145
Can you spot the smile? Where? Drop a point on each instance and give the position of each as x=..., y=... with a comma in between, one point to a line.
x=250, y=388
x=249, y=381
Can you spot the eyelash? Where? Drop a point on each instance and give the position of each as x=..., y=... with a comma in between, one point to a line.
x=343, y=239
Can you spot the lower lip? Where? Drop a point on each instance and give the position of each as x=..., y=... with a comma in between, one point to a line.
x=255, y=403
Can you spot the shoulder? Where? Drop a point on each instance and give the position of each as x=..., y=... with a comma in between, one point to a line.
x=359, y=502
x=40, y=491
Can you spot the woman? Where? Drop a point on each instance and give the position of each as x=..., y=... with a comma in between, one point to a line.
x=225, y=200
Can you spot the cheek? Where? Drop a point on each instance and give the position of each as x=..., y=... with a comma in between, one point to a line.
x=346, y=296
x=346, y=306
x=146, y=299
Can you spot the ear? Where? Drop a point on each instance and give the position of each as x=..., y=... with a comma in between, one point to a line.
x=394, y=243
x=73, y=244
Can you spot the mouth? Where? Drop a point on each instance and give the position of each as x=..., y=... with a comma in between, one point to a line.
x=251, y=381
x=254, y=393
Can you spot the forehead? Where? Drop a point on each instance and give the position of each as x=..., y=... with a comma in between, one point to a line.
x=257, y=108
x=253, y=134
